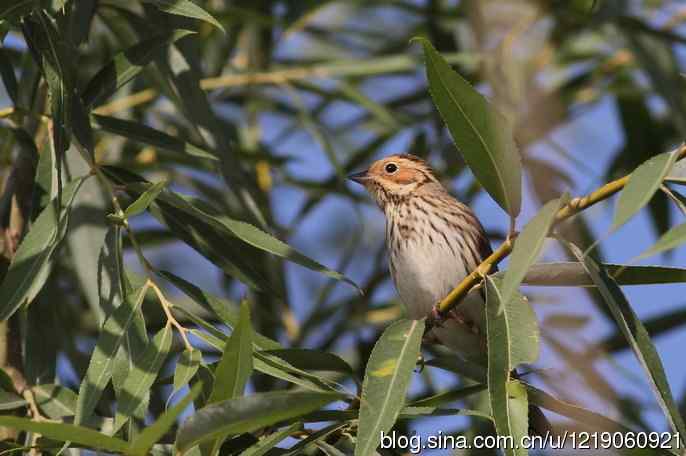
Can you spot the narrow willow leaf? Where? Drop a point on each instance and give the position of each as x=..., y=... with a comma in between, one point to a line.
x=668, y=241
x=528, y=246
x=54, y=400
x=142, y=376
x=147, y=135
x=99, y=370
x=30, y=266
x=482, y=134
x=573, y=274
x=182, y=213
x=222, y=308
x=186, y=8
x=304, y=445
x=448, y=396
x=11, y=401
x=87, y=236
x=642, y=185
x=468, y=369
x=386, y=379
x=154, y=433
x=637, y=336
x=307, y=359
x=66, y=432
x=592, y=419
x=235, y=366
x=248, y=414
x=145, y=199
x=125, y=66
x=186, y=367
x=267, y=443
x=9, y=79
x=499, y=361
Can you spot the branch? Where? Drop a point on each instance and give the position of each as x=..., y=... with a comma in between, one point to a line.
x=570, y=209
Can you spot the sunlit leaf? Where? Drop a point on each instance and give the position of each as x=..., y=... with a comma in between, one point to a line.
x=101, y=363
x=500, y=364
x=11, y=401
x=641, y=187
x=55, y=401
x=186, y=8
x=186, y=367
x=672, y=239
x=482, y=134
x=145, y=199
x=267, y=443
x=386, y=380
x=528, y=246
x=66, y=432
x=142, y=376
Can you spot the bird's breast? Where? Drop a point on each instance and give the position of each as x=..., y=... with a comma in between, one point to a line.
x=425, y=268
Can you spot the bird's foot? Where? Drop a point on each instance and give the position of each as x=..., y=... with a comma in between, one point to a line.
x=437, y=318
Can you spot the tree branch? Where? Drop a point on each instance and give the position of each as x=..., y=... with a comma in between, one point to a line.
x=570, y=209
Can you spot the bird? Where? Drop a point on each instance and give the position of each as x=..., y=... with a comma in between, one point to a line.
x=433, y=241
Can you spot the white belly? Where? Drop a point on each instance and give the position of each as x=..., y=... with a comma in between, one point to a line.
x=424, y=273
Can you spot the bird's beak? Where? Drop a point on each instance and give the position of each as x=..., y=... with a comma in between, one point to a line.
x=360, y=178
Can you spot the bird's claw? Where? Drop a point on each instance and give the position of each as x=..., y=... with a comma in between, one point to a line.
x=437, y=318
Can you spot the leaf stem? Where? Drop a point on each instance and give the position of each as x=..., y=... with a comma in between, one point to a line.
x=171, y=320
x=567, y=211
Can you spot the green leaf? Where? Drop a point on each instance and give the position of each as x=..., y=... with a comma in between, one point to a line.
x=147, y=135
x=30, y=266
x=448, y=396
x=235, y=366
x=66, y=432
x=642, y=185
x=265, y=444
x=54, y=400
x=186, y=367
x=185, y=8
x=101, y=363
x=482, y=134
x=528, y=246
x=307, y=359
x=142, y=376
x=636, y=334
x=500, y=363
x=183, y=213
x=11, y=401
x=573, y=274
x=386, y=379
x=125, y=66
x=9, y=79
x=154, y=433
x=145, y=200
x=670, y=240
x=13, y=9
x=87, y=235
x=248, y=414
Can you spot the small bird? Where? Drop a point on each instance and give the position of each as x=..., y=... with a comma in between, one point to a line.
x=433, y=242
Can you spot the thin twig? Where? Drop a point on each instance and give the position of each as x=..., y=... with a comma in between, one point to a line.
x=166, y=306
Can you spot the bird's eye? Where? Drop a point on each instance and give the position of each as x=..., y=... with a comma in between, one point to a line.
x=391, y=168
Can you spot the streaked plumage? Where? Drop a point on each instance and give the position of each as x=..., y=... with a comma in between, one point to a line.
x=433, y=242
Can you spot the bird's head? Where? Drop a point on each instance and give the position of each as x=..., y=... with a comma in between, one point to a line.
x=395, y=178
